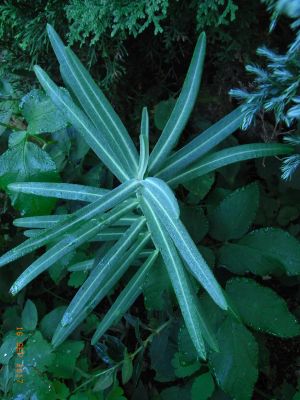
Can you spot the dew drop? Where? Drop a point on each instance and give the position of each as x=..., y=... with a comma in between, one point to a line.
x=66, y=319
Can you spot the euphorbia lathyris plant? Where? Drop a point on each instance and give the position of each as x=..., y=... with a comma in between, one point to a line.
x=141, y=215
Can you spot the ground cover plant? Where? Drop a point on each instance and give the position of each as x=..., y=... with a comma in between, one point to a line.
x=185, y=257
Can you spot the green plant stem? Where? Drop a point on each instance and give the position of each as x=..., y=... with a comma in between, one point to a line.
x=131, y=356
x=12, y=127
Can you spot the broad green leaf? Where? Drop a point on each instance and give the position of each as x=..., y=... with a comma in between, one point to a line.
x=186, y=247
x=162, y=112
x=61, y=390
x=65, y=246
x=263, y=251
x=50, y=321
x=62, y=148
x=127, y=297
x=201, y=145
x=235, y=365
x=64, y=331
x=180, y=280
x=203, y=387
x=195, y=221
x=64, y=361
x=106, y=202
x=116, y=394
x=232, y=218
x=41, y=114
x=37, y=353
x=35, y=385
x=127, y=369
x=94, y=103
x=6, y=104
x=102, y=271
x=77, y=278
x=67, y=191
x=94, y=138
x=9, y=345
x=182, y=109
x=183, y=369
x=261, y=308
x=228, y=156
x=200, y=186
x=187, y=351
x=29, y=316
x=105, y=381
x=158, y=288
x=161, y=352
x=25, y=161
x=144, y=144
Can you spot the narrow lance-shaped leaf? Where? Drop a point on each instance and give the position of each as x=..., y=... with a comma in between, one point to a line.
x=182, y=109
x=108, y=201
x=202, y=143
x=109, y=234
x=48, y=221
x=105, y=235
x=40, y=221
x=94, y=138
x=67, y=191
x=144, y=144
x=127, y=297
x=30, y=233
x=67, y=244
x=62, y=332
x=186, y=248
x=178, y=276
x=89, y=264
x=163, y=194
x=104, y=268
x=229, y=156
x=94, y=103
x=85, y=265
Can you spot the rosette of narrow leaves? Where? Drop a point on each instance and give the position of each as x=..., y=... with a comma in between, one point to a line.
x=140, y=217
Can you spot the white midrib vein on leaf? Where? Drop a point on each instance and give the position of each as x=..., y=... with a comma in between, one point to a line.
x=66, y=225
x=202, y=273
x=187, y=308
x=121, y=171
x=69, y=66
x=39, y=266
x=91, y=286
x=135, y=289
x=189, y=154
x=106, y=112
x=32, y=189
x=206, y=164
x=178, y=120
